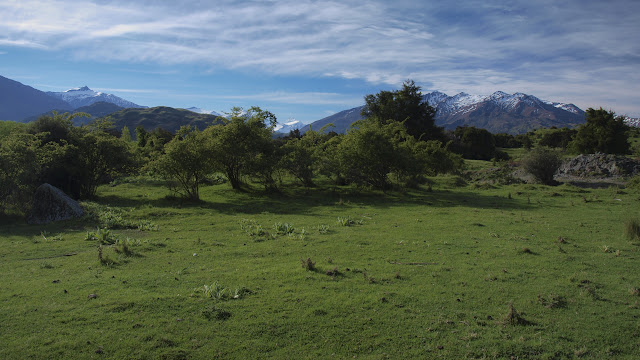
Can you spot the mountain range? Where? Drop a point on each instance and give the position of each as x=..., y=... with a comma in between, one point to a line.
x=498, y=112
x=84, y=96
x=18, y=101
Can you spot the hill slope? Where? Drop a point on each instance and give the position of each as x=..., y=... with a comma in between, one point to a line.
x=167, y=118
x=18, y=101
x=96, y=110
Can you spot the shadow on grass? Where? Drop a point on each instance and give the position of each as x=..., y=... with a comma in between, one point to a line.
x=302, y=201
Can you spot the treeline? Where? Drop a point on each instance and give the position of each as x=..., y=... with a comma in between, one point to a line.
x=396, y=146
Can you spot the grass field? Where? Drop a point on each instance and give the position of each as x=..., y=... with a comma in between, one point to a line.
x=450, y=271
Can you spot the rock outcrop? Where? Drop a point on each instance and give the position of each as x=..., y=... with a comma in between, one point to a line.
x=599, y=166
x=51, y=204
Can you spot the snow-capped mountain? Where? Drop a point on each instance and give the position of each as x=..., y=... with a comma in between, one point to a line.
x=634, y=122
x=203, y=111
x=84, y=96
x=502, y=112
x=497, y=112
x=291, y=124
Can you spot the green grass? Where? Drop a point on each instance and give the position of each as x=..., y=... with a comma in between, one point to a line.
x=521, y=271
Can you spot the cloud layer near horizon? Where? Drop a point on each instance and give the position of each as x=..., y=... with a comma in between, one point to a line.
x=580, y=49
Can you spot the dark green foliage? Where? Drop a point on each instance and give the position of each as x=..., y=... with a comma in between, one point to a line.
x=474, y=143
x=542, y=163
x=186, y=161
x=504, y=140
x=298, y=156
x=243, y=146
x=404, y=106
x=368, y=154
x=141, y=136
x=525, y=140
x=603, y=132
x=557, y=138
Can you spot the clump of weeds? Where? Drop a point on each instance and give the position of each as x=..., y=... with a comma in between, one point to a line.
x=333, y=273
x=632, y=230
x=552, y=301
x=513, y=317
x=215, y=313
x=308, y=264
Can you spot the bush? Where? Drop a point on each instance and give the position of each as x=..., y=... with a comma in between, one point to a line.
x=632, y=229
x=542, y=163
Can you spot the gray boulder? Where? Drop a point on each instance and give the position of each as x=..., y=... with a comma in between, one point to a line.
x=599, y=166
x=51, y=204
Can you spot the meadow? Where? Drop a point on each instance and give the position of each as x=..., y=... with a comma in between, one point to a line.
x=449, y=270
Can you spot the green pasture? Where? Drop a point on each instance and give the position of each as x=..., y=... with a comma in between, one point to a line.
x=446, y=271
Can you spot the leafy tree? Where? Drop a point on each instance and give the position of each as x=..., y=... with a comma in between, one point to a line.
x=603, y=132
x=299, y=156
x=243, y=146
x=542, y=163
x=404, y=106
x=504, y=140
x=474, y=143
x=557, y=138
x=102, y=157
x=187, y=160
x=141, y=136
x=126, y=134
x=367, y=154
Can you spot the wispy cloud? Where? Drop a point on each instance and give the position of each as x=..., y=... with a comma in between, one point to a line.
x=474, y=46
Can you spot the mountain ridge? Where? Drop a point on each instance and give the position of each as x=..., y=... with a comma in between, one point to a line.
x=84, y=96
x=498, y=112
x=19, y=101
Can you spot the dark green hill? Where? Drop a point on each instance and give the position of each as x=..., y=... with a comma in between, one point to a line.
x=96, y=110
x=164, y=117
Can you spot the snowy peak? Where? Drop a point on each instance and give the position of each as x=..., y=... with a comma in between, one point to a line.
x=291, y=124
x=203, y=111
x=501, y=112
x=84, y=96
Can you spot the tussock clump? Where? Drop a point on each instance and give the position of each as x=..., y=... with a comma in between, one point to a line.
x=513, y=317
x=308, y=264
x=552, y=301
x=333, y=272
x=632, y=229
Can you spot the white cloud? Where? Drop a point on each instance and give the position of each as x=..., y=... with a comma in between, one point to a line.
x=474, y=46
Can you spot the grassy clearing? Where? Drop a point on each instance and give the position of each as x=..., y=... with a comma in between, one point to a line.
x=522, y=271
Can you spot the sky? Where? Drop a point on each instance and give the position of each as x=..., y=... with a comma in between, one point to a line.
x=306, y=60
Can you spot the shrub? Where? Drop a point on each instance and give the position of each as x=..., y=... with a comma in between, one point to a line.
x=632, y=229
x=542, y=163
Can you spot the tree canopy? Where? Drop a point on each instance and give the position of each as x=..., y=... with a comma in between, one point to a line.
x=603, y=132
x=404, y=106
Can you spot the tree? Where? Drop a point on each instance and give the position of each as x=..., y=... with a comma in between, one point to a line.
x=474, y=143
x=187, y=160
x=367, y=154
x=126, y=135
x=542, y=163
x=299, y=155
x=603, y=132
x=404, y=106
x=557, y=138
x=243, y=146
x=102, y=157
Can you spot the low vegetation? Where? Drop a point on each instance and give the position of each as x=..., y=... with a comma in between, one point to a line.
x=381, y=243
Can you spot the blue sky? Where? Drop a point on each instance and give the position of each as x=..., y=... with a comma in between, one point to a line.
x=309, y=59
